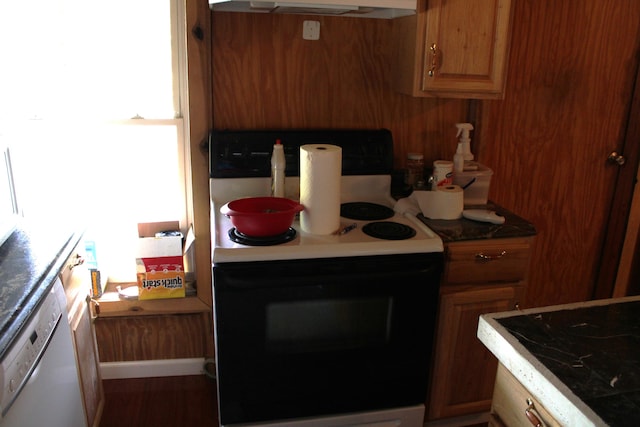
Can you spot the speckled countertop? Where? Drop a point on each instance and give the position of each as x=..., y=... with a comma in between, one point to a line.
x=580, y=361
x=30, y=260
x=466, y=229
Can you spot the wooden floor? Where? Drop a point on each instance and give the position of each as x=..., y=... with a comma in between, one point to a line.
x=160, y=402
x=163, y=402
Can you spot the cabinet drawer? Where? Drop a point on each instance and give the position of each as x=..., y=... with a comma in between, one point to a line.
x=512, y=402
x=504, y=260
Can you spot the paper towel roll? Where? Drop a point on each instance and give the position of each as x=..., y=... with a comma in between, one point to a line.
x=446, y=203
x=320, y=173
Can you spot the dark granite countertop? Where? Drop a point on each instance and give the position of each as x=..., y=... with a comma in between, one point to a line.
x=465, y=229
x=582, y=360
x=30, y=260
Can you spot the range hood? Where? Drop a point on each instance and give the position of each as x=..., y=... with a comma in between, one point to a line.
x=382, y=9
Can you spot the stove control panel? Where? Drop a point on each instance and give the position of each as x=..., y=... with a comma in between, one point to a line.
x=247, y=154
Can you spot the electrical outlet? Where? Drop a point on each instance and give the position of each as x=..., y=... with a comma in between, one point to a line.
x=311, y=30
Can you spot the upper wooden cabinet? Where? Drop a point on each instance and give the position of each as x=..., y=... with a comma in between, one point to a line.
x=453, y=49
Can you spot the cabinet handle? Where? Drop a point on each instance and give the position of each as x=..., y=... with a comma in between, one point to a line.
x=434, y=60
x=532, y=415
x=486, y=258
x=77, y=260
x=94, y=307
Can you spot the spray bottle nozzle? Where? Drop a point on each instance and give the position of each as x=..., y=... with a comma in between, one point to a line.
x=463, y=129
x=463, y=152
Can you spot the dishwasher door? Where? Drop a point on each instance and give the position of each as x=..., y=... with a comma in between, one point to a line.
x=51, y=394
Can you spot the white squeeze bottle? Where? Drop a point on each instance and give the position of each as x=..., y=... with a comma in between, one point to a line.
x=278, y=164
x=463, y=152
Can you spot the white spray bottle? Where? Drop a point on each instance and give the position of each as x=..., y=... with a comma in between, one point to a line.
x=463, y=152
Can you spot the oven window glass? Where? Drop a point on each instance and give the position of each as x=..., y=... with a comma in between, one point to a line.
x=328, y=325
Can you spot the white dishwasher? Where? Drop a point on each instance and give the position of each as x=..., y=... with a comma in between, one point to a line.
x=39, y=374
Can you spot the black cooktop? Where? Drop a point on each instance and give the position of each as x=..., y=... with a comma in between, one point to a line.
x=365, y=211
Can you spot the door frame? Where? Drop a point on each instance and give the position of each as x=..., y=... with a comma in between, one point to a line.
x=616, y=263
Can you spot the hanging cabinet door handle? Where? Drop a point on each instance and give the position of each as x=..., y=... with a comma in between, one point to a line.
x=434, y=53
x=615, y=157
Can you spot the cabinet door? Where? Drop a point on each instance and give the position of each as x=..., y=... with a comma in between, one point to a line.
x=88, y=365
x=466, y=46
x=512, y=401
x=464, y=370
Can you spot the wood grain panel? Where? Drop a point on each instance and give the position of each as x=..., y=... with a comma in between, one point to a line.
x=509, y=402
x=88, y=368
x=198, y=29
x=498, y=260
x=161, y=401
x=265, y=75
x=571, y=74
x=152, y=337
x=468, y=389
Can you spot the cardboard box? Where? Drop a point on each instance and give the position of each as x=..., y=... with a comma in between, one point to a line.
x=160, y=262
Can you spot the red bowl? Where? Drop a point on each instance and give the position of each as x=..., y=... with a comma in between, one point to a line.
x=262, y=216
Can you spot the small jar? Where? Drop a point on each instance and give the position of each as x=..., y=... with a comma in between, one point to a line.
x=415, y=169
x=442, y=173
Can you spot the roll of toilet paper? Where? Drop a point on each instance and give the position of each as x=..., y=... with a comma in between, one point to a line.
x=446, y=203
x=320, y=174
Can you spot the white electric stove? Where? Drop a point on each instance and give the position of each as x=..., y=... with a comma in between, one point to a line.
x=354, y=242
x=321, y=330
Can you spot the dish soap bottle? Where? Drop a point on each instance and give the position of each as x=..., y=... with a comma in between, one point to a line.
x=278, y=164
x=463, y=152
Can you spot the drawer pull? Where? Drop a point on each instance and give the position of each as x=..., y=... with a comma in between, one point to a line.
x=532, y=415
x=482, y=257
x=77, y=260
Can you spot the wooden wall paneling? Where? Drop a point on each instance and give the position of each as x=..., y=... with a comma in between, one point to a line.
x=198, y=29
x=152, y=337
x=265, y=75
x=571, y=75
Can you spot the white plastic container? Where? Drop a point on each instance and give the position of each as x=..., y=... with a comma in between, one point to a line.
x=476, y=192
x=442, y=174
x=278, y=164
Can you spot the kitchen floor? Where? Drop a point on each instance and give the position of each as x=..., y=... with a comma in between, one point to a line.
x=160, y=402
x=163, y=402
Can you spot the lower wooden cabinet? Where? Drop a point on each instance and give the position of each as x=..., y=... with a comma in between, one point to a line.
x=84, y=340
x=149, y=337
x=480, y=277
x=77, y=284
x=513, y=405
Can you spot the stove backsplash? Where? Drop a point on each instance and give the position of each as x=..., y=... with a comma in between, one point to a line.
x=247, y=153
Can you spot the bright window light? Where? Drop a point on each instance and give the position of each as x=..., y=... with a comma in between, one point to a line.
x=89, y=110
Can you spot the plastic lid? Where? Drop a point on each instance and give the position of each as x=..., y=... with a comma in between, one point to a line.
x=415, y=156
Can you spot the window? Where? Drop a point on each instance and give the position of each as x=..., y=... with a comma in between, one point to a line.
x=91, y=108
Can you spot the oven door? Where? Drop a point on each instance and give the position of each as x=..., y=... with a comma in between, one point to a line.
x=304, y=338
